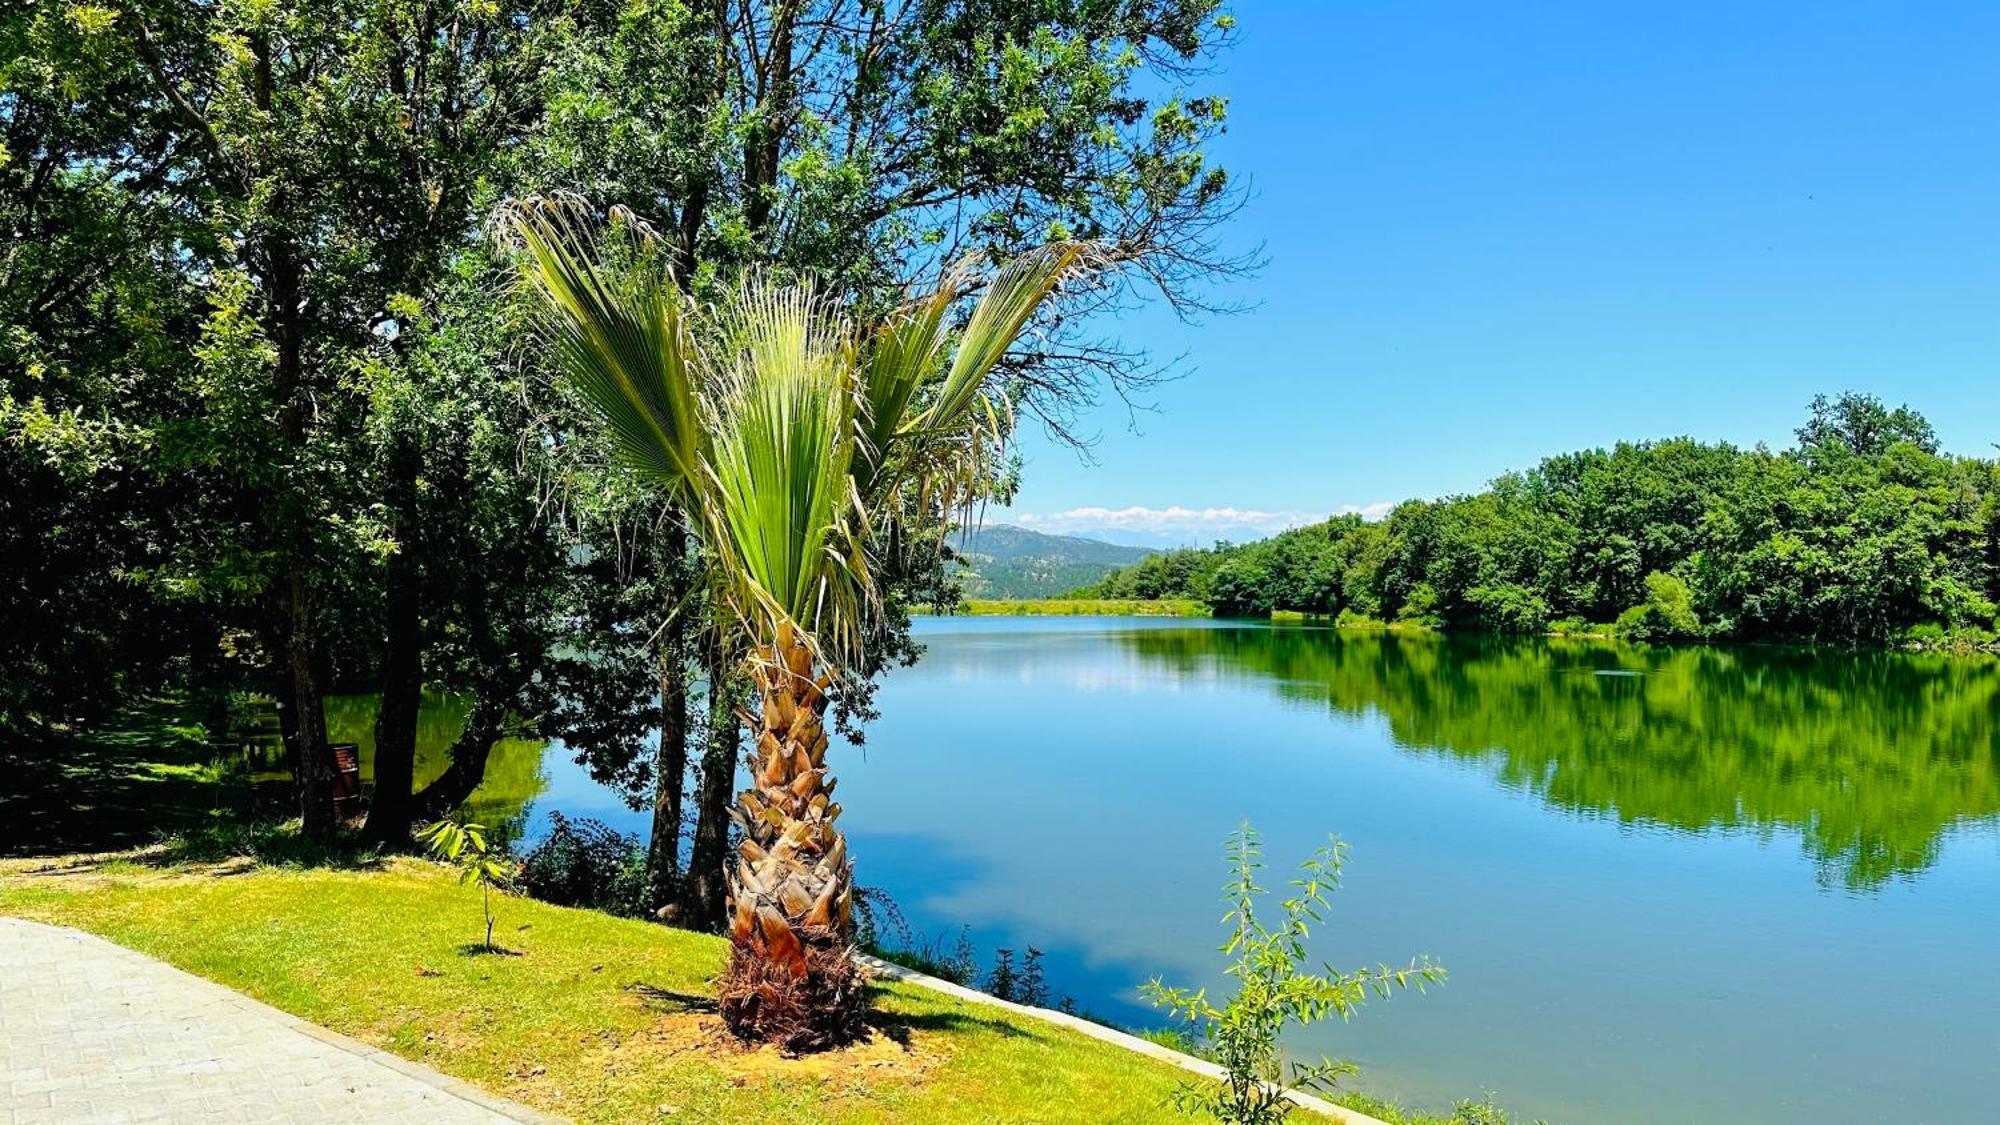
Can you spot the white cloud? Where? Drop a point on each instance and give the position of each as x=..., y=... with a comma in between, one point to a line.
x=1176, y=524
x=1141, y=517
x=1380, y=509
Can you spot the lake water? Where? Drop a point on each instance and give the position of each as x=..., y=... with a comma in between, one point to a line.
x=1669, y=885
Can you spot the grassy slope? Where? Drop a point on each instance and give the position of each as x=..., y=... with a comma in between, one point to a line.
x=584, y=1023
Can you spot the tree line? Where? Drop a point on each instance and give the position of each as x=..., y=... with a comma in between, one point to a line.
x=276, y=417
x=1863, y=533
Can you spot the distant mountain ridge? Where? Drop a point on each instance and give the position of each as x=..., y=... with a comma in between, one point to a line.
x=1004, y=561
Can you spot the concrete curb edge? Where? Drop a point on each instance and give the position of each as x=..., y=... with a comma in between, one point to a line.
x=890, y=971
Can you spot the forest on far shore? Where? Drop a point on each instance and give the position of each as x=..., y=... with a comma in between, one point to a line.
x=1863, y=533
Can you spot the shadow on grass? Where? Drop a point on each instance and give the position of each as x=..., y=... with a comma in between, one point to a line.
x=265, y=844
x=148, y=773
x=147, y=787
x=481, y=949
x=666, y=999
x=898, y=1026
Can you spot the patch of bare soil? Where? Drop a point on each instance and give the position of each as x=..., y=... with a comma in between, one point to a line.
x=889, y=1054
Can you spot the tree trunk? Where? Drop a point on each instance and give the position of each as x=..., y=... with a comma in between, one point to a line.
x=314, y=758
x=792, y=978
x=469, y=752
x=274, y=261
x=390, y=811
x=708, y=890
x=288, y=714
x=663, y=855
x=764, y=144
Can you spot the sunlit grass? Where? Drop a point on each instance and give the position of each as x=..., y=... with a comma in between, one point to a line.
x=585, y=1022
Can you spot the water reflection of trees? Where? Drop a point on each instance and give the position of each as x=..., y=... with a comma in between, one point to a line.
x=1870, y=758
x=513, y=774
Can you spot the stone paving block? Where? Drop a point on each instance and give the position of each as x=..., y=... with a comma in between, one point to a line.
x=93, y=1033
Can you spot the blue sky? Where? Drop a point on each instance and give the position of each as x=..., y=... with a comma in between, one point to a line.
x=1497, y=232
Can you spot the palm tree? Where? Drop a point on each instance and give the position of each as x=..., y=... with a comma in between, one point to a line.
x=798, y=443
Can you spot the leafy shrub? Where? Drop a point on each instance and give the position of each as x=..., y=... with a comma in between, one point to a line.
x=1506, y=607
x=586, y=863
x=1175, y=1039
x=1667, y=614
x=1579, y=627
x=1273, y=989
x=1021, y=984
x=1421, y=607
x=1032, y=989
x=1020, y=981
x=1928, y=634
x=1934, y=636
x=956, y=962
x=879, y=923
x=1000, y=982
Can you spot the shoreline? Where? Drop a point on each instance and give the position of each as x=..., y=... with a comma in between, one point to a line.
x=1193, y=609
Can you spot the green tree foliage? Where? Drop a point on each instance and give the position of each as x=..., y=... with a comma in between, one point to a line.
x=279, y=195
x=873, y=144
x=1864, y=534
x=1667, y=614
x=268, y=421
x=1275, y=988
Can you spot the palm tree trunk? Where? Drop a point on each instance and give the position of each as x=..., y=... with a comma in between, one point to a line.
x=791, y=978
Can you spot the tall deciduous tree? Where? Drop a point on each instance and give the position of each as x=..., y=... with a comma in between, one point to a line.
x=306, y=173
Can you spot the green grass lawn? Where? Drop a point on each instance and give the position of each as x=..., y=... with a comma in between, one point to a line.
x=592, y=1017
x=589, y=1016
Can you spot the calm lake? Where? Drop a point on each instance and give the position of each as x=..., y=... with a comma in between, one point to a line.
x=1669, y=885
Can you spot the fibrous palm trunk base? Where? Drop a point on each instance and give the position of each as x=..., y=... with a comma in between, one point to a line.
x=792, y=978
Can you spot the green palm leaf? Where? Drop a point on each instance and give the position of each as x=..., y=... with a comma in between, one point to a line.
x=619, y=328
x=782, y=504
x=788, y=437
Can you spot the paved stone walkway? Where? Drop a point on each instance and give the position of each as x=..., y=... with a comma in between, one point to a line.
x=92, y=1032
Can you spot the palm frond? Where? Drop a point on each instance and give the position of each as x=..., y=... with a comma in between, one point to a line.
x=933, y=420
x=997, y=320
x=909, y=349
x=620, y=330
x=790, y=440
x=783, y=514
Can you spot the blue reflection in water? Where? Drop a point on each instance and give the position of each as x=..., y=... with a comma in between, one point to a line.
x=1711, y=886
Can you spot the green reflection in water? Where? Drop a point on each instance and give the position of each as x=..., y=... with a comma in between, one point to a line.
x=514, y=774
x=1871, y=759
